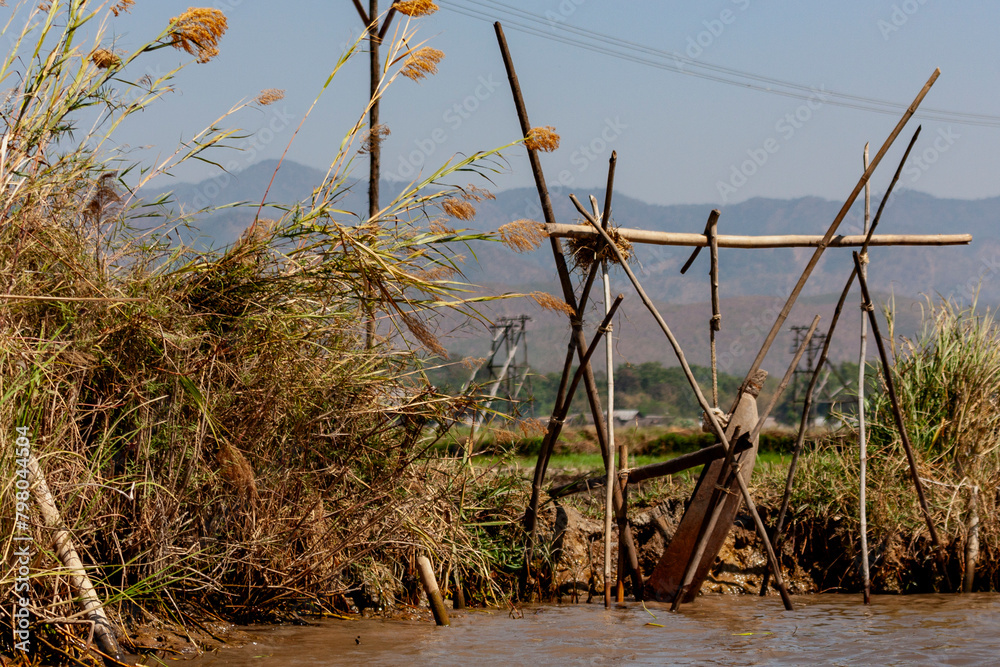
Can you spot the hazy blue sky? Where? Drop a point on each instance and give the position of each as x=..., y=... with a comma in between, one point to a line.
x=680, y=139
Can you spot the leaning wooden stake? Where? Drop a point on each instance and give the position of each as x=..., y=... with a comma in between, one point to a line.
x=429, y=582
x=66, y=552
x=716, y=427
x=866, y=582
x=897, y=413
x=723, y=510
x=814, y=260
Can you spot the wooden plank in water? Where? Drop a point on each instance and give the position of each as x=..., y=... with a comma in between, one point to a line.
x=667, y=575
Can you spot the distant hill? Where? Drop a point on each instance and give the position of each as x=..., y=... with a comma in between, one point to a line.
x=753, y=282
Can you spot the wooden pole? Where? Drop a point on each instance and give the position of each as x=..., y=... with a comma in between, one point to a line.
x=716, y=324
x=564, y=278
x=66, y=552
x=716, y=427
x=653, y=470
x=828, y=237
x=434, y=598
x=813, y=381
x=760, y=242
x=374, y=137
x=458, y=597
x=897, y=413
x=862, y=442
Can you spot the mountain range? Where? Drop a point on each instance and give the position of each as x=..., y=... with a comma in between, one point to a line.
x=753, y=282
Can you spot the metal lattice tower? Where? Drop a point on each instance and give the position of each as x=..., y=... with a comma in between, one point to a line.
x=504, y=372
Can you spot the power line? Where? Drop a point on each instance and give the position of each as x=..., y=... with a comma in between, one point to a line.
x=528, y=23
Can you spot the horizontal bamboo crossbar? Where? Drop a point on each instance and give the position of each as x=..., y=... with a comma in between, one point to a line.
x=783, y=241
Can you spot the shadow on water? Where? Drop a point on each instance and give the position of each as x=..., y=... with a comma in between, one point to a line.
x=715, y=630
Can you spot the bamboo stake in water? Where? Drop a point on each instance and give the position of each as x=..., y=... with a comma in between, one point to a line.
x=609, y=464
x=862, y=442
x=434, y=598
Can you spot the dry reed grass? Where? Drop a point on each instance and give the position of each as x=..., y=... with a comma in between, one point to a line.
x=213, y=427
x=542, y=139
x=422, y=62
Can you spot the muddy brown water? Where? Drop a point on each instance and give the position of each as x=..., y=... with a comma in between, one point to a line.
x=714, y=630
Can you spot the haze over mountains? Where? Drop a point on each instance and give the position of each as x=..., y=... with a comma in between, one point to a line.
x=754, y=283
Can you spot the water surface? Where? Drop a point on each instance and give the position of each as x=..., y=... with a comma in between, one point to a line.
x=714, y=630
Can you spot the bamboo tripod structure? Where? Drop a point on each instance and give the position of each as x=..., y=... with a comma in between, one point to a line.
x=739, y=438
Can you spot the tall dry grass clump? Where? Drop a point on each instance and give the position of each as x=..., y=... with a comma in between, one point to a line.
x=215, y=431
x=948, y=383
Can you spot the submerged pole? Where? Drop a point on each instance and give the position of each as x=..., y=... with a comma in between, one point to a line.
x=434, y=598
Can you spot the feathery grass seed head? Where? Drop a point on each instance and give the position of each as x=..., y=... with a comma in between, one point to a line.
x=542, y=139
x=104, y=59
x=198, y=31
x=421, y=63
x=522, y=235
x=549, y=302
x=457, y=208
x=122, y=6
x=269, y=96
x=416, y=7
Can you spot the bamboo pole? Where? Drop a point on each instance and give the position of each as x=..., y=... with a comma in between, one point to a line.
x=719, y=431
x=66, y=552
x=622, y=515
x=832, y=230
x=897, y=413
x=862, y=442
x=579, y=343
x=807, y=403
x=650, y=237
x=609, y=463
x=434, y=598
